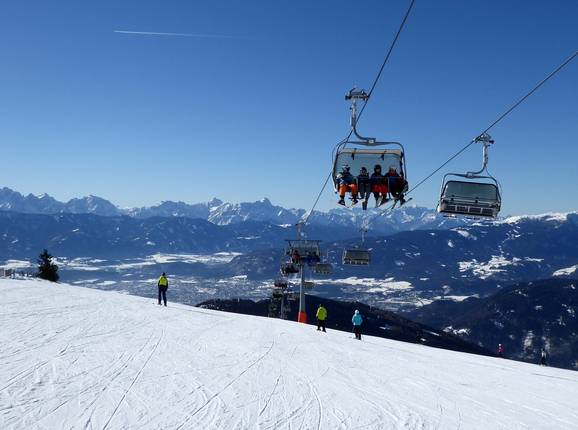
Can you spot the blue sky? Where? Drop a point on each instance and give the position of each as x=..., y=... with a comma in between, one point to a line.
x=255, y=110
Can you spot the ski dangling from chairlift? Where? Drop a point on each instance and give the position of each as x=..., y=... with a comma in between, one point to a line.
x=473, y=194
x=365, y=166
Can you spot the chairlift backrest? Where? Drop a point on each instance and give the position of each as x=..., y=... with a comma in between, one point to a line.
x=471, y=191
x=303, y=247
x=356, y=257
x=322, y=268
x=470, y=198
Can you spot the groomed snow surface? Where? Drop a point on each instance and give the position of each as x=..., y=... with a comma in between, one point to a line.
x=73, y=357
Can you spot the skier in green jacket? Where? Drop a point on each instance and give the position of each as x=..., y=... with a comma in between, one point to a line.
x=163, y=285
x=321, y=317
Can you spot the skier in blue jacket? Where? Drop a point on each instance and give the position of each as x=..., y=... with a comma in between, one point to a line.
x=357, y=320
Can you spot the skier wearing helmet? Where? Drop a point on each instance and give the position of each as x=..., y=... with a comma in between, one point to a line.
x=363, y=187
x=396, y=184
x=346, y=183
x=378, y=186
x=500, y=350
x=163, y=285
x=357, y=320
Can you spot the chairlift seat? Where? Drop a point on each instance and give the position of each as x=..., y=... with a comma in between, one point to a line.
x=280, y=283
x=474, y=199
x=308, y=285
x=356, y=257
x=304, y=247
x=289, y=269
x=322, y=268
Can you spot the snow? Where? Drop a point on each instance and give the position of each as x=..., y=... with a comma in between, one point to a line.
x=375, y=285
x=16, y=264
x=496, y=264
x=456, y=298
x=465, y=233
x=549, y=217
x=566, y=271
x=81, y=358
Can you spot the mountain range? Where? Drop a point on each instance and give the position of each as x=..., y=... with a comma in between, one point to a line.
x=525, y=318
x=223, y=213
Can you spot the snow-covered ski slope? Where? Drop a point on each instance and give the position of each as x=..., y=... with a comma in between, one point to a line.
x=86, y=359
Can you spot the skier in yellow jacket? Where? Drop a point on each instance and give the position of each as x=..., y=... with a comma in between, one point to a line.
x=321, y=317
x=163, y=285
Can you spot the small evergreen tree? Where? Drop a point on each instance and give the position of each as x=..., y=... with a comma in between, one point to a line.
x=46, y=268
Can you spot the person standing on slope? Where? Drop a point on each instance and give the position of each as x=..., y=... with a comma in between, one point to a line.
x=543, y=357
x=321, y=317
x=357, y=320
x=163, y=285
x=500, y=350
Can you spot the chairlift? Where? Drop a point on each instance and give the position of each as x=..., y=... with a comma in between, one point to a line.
x=280, y=283
x=308, y=285
x=322, y=268
x=277, y=293
x=472, y=194
x=307, y=250
x=289, y=269
x=367, y=152
x=358, y=256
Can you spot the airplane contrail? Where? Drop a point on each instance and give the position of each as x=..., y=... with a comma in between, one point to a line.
x=156, y=33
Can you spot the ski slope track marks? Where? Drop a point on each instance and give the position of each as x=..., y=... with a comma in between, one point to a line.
x=78, y=358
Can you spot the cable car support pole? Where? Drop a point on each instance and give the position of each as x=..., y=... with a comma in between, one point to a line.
x=302, y=315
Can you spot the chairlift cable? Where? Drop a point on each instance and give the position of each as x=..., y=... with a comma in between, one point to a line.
x=373, y=85
x=492, y=125
x=500, y=118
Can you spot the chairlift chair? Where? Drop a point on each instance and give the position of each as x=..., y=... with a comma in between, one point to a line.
x=277, y=293
x=289, y=269
x=470, y=198
x=472, y=194
x=366, y=151
x=356, y=257
x=280, y=283
x=322, y=268
x=304, y=247
x=308, y=285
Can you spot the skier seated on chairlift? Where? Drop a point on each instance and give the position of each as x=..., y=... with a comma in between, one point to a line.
x=396, y=184
x=363, y=187
x=295, y=257
x=378, y=186
x=312, y=258
x=346, y=183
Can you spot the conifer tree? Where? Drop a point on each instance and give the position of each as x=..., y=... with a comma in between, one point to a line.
x=46, y=268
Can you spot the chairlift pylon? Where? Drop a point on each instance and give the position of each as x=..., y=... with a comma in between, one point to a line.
x=473, y=194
